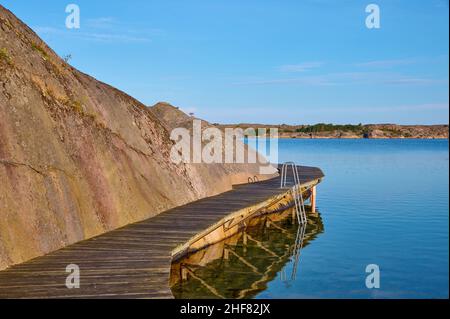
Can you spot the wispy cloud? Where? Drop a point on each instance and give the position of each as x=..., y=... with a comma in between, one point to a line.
x=302, y=67
x=103, y=29
x=415, y=80
x=306, y=80
x=401, y=107
x=348, y=78
x=386, y=63
x=101, y=22
x=91, y=36
x=323, y=113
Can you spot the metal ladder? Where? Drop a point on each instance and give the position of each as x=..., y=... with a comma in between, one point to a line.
x=296, y=191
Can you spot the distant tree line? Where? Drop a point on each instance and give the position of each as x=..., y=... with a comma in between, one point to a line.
x=323, y=127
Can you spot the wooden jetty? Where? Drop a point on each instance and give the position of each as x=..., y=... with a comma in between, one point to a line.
x=135, y=261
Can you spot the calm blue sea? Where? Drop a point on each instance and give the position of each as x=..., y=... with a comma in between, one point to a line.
x=383, y=202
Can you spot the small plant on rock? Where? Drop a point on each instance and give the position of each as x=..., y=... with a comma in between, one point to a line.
x=5, y=57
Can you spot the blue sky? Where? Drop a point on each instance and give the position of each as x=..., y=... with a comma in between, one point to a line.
x=302, y=61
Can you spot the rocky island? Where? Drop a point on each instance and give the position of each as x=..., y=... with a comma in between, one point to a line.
x=373, y=131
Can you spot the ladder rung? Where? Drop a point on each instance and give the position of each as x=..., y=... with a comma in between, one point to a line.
x=296, y=190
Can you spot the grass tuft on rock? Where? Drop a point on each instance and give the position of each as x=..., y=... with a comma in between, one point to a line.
x=5, y=57
x=38, y=48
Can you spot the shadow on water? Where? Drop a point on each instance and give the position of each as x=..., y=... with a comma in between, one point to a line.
x=243, y=265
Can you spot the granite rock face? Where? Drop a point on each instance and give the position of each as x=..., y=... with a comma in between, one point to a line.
x=78, y=157
x=234, y=173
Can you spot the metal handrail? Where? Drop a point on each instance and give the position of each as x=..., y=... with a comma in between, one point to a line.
x=296, y=190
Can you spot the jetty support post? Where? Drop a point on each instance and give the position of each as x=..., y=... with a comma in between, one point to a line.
x=184, y=273
x=226, y=254
x=313, y=199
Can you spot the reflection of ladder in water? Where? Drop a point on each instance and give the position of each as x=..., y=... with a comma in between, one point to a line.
x=296, y=190
x=296, y=254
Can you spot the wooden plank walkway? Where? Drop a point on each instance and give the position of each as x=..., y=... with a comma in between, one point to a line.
x=134, y=261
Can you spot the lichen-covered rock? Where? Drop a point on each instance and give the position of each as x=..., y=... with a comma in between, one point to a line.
x=78, y=157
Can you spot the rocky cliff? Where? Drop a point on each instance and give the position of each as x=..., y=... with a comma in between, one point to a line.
x=235, y=173
x=78, y=157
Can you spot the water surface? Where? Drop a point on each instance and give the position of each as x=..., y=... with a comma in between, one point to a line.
x=382, y=202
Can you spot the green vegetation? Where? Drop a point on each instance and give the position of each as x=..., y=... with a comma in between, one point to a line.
x=78, y=107
x=40, y=50
x=5, y=57
x=75, y=105
x=408, y=135
x=322, y=127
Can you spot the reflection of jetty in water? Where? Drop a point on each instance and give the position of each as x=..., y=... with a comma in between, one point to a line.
x=241, y=266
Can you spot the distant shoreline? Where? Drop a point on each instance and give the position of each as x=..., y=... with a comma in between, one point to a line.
x=350, y=131
x=357, y=138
